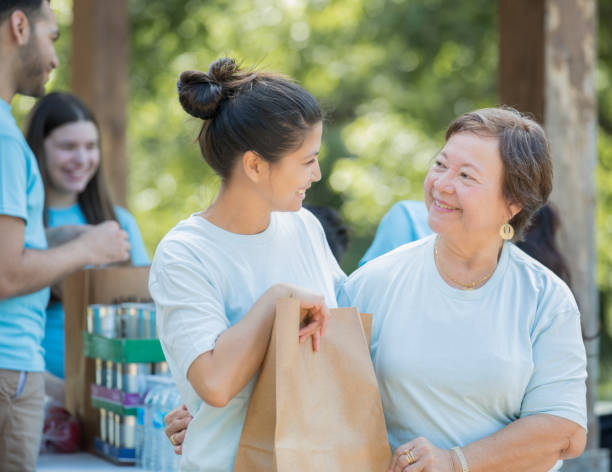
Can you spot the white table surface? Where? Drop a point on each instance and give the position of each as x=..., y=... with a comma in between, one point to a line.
x=80, y=461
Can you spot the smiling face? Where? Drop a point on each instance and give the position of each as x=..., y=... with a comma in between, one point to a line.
x=72, y=158
x=38, y=57
x=290, y=177
x=463, y=189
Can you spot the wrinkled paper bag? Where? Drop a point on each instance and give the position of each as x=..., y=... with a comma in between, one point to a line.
x=315, y=411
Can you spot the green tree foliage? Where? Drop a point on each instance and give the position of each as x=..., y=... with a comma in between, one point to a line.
x=390, y=74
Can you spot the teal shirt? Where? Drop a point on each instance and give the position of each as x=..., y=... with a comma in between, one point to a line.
x=53, y=342
x=22, y=318
x=405, y=222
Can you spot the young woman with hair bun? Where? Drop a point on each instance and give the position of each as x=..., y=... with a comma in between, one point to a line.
x=216, y=276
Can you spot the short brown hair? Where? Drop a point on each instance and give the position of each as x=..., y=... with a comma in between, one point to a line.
x=527, y=170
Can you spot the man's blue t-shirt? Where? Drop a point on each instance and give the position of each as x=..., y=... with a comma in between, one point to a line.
x=22, y=318
x=53, y=342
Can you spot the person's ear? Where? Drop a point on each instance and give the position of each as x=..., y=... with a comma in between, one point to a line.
x=20, y=27
x=255, y=167
x=514, y=210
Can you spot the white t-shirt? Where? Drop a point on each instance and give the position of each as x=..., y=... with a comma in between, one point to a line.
x=456, y=366
x=204, y=280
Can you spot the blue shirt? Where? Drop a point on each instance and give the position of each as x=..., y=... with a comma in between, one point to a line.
x=53, y=342
x=405, y=222
x=456, y=366
x=22, y=318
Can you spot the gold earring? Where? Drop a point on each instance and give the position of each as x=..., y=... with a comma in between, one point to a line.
x=506, y=231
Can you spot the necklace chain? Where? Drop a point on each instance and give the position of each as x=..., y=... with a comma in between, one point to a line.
x=464, y=286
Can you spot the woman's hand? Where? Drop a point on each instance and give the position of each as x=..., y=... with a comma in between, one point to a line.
x=176, y=427
x=420, y=455
x=317, y=317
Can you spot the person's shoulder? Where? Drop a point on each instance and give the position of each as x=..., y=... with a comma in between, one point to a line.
x=298, y=221
x=11, y=144
x=410, y=206
x=549, y=288
x=184, y=238
x=124, y=215
x=401, y=258
x=302, y=215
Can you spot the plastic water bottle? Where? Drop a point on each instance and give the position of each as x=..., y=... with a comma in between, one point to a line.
x=159, y=441
x=140, y=435
x=148, y=448
x=170, y=462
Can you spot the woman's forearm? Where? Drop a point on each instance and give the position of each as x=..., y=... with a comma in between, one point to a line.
x=534, y=443
x=218, y=375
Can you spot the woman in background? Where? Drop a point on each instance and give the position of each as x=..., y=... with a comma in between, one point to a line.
x=65, y=138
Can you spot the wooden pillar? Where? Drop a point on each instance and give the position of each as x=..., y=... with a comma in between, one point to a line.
x=547, y=67
x=100, y=52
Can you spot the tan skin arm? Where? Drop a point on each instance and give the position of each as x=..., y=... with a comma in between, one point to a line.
x=531, y=444
x=28, y=270
x=219, y=375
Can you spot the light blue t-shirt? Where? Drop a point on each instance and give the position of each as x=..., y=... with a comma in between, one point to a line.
x=405, y=222
x=456, y=366
x=22, y=318
x=53, y=342
x=204, y=280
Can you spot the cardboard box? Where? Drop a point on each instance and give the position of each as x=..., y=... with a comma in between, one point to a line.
x=80, y=290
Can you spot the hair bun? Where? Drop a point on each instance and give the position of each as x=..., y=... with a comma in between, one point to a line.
x=199, y=94
x=223, y=70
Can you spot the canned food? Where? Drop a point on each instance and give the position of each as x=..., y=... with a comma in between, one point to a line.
x=110, y=431
x=134, y=377
x=99, y=370
x=110, y=374
x=90, y=319
x=161, y=368
x=119, y=376
x=132, y=319
x=117, y=442
x=152, y=317
x=103, y=424
x=128, y=437
x=103, y=320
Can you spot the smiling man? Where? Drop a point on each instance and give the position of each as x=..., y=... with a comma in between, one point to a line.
x=28, y=31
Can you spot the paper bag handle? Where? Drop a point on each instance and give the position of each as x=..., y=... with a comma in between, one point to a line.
x=366, y=324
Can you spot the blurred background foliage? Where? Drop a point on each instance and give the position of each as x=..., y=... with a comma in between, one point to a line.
x=390, y=74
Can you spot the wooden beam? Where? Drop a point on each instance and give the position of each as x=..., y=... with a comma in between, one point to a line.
x=570, y=117
x=100, y=45
x=521, y=55
x=547, y=67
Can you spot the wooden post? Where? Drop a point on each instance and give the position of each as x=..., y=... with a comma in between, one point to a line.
x=570, y=118
x=100, y=46
x=547, y=67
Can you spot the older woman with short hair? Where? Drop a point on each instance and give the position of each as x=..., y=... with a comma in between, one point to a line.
x=476, y=346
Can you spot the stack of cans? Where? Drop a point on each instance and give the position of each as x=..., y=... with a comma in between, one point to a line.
x=117, y=430
x=122, y=320
x=129, y=377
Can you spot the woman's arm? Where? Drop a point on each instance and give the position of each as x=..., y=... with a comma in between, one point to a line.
x=533, y=443
x=219, y=375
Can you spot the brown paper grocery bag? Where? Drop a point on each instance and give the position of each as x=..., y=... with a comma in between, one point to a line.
x=315, y=411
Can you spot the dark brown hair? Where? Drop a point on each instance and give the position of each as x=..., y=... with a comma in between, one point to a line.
x=540, y=242
x=50, y=112
x=262, y=112
x=31, y=8
x=527, y=166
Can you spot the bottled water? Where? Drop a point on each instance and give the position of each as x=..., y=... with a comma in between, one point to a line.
x=153, y=449
x=148, y=448
x=170, y=400
x=140, y=435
